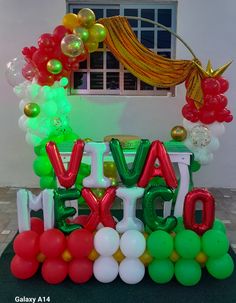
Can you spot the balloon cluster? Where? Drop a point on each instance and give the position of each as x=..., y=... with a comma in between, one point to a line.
x=203, y=140
x=60, y=53
x=214, y=108
x=183, y=253
x=59, y=256
x=106, y=254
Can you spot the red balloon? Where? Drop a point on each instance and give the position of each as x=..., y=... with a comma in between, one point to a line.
x=211, y=102
x=100, y=208
x=210, y=86
x=65, y=177
x=81, y=220
x=46, y=43
x=80, y=270
x=23, y=269
x=37, y=225
x=40, y=58
x=224, y=84
x=60, y=32
x=45, y=78
x=26, y=244
x=190, y=101
x=54, y=271
x=80, y=243
x=207, y=116
x=229, y=118
x=222, y=115
x=223, y=101
x=28, y=52
x=165, y=169
x=208, y=210
x=52, y=243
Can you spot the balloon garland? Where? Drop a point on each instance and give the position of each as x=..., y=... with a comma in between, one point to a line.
x=40, y=79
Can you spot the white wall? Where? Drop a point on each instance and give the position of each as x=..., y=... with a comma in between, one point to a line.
x=207, y=25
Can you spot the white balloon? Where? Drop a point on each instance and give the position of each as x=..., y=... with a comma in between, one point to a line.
x=132, y=243
x=214, y=144
x=32, y=139
x=217, y=129
x=131, y=270
x=22, y=105
x=100, y=225
x=106, y=241
x=32, y=91
x=105, y=269
x=22, y=122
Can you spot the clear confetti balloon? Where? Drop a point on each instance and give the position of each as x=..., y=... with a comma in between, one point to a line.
x=200, y=136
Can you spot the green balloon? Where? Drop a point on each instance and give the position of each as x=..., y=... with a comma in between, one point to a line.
x=215, y=243
x=219, y=225
x=48, y=182
x=187, y=272
x=161, y=271
x=160, y=244
x=220, y=268
x=195, y=166
x=62, y=212
x=152, y=221
x=40, y=150
x=129, y=176
x=180, y=225
x=42, y=166
x=187, y=244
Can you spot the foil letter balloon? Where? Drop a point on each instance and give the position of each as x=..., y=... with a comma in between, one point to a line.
x=62, y=212
x=165, y=168
x=66, y=177
x=154, y=222
x=208, y=209
x=96, y=179
x=128, y=176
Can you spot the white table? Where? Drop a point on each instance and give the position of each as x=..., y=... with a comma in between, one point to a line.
x=181, y=158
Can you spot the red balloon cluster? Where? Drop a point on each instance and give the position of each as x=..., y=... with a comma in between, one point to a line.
x=61, y=256
x=49, y=48
x=214, y=108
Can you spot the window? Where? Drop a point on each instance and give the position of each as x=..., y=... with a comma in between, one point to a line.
x=102, y=74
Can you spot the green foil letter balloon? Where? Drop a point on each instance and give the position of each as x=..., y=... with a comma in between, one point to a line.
x=62, y=212
x=152, y=221
x=128, y=176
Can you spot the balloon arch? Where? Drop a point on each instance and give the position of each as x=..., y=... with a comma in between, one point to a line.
x=96, y=243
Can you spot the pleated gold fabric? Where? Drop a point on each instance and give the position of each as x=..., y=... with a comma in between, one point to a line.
x=148, y=66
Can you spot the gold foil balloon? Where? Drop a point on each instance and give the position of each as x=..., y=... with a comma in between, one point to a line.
x=54, y=66
x=88, y=140
x=31, y=110
x=72, y=45
x=178, y=133
x=70, y=21
x=97, y=33
x=86, y=17
x=82, y=32
x=91, y=46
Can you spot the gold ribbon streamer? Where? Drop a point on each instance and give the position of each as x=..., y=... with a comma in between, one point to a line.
x=147, y=66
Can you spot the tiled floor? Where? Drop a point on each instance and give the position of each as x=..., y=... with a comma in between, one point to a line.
x=225, y=210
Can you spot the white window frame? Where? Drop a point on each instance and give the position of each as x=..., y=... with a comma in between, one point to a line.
x=73, y=4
